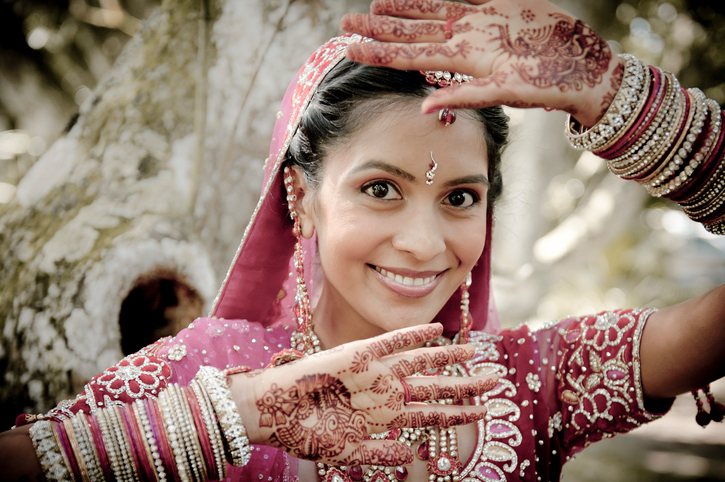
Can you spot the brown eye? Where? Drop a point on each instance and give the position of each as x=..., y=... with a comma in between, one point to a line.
x=379, y=190
x=383, y=190
x=461, y=199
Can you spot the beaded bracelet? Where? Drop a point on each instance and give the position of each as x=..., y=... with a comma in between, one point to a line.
x=213, y=382
x=627, y=103
x=48, y=452
x=676, y=134
x=215, y=438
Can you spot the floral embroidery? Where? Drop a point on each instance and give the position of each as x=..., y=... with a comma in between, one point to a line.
x=555, y=424
x=532, y=380
x=134, y=377
x=215, y=330
x=176, y=352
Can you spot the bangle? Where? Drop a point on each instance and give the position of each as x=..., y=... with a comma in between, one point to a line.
x=174, y=434
x=49, y=452
x=149, y=438
x=156, y=421
x=212, y=428
x=80, y=462
x=86, y=448
x=627, y=103
x=97, y=436
x=214, y=384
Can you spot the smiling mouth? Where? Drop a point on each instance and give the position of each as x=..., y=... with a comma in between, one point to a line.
x=405, y=280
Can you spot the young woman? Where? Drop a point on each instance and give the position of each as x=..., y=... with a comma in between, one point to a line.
x=367, y=263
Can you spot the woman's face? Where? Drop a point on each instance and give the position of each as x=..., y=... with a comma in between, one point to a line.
x=394, y=249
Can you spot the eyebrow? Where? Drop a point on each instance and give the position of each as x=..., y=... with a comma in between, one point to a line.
x=384, y=166
x=396, y=171
x=473, y=179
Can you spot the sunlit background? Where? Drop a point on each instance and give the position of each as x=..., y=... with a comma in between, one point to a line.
x=570, y=238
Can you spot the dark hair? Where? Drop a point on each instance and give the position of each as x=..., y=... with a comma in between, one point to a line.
x=331, y=116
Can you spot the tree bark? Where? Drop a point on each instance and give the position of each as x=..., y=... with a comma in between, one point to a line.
x=129, y=221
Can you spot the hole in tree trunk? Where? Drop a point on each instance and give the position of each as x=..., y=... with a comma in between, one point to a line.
x=159, y=304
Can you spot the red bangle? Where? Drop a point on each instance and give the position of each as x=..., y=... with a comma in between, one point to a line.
x=152, y=409
x=100, y=447
x=206, y=449
x=707, y=172
x=139, y=441
x=67, y=451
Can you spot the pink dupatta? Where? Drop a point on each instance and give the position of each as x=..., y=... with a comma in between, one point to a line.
x=258, y=285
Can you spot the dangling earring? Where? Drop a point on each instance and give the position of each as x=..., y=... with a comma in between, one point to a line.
x=302, y=339
x=466, y=319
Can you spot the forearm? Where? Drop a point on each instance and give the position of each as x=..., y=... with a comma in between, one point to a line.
x=682, y=346
x=17, y=456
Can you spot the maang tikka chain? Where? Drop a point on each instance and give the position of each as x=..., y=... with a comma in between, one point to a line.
x=431, y=172
x=301, y=308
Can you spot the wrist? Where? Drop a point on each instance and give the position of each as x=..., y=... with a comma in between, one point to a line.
x=243, y=391
x=600, y=98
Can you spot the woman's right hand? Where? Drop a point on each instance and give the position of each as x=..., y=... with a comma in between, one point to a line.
x=323, y=406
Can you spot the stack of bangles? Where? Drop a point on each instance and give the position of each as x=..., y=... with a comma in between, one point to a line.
x=187, y=434
x=664, y=137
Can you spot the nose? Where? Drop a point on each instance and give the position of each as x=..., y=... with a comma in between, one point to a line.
x=420, y=234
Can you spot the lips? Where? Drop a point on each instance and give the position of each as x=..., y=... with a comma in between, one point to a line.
x=408, y=283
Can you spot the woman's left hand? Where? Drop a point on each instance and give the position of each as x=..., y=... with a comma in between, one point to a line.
x=523, y=53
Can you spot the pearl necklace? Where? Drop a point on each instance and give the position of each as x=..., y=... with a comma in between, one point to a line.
x=439, y=446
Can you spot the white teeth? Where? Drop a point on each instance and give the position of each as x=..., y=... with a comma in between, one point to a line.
x=404, y=280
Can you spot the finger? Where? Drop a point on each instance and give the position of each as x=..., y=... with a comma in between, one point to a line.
x=431, y=414
x=391, y=29
x=423, y=389
x=416, y=361
x=388, y=453
x=393, y=341
x=497, y=89
x=419, y=56
x=422, y=9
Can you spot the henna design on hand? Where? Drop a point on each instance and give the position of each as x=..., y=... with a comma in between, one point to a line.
x=361, y=361
x=395, y=401
x=382, y=384
x=388, y=7
x=456, y=11
x=425, y=393
x=381, y=53
x=491, y=11
x=615, y=81
x=392, y=455
x=528, y=16
x=405, y=368
x=314, y=419
x=570, y=54
x=378, y=27
x=380, y=348
x=422, y=419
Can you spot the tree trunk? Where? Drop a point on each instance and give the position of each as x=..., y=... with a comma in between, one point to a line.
x=123, y=229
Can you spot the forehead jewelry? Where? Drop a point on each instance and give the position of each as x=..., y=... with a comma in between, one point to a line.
x=444, y=78
x=431, y=172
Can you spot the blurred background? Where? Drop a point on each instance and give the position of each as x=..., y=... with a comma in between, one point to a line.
x=122, y=231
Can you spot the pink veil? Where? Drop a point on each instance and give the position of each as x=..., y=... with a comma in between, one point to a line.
x=258, y=286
